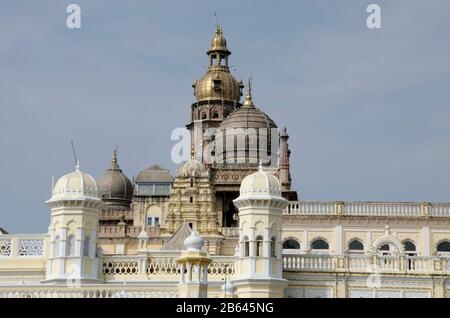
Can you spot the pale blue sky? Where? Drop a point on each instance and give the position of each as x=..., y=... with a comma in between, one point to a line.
x=367, y=110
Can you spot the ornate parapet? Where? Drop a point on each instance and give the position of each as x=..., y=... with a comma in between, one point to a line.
x=368, y=264
x=160, y=266
x=385, y=209
x=22, y=246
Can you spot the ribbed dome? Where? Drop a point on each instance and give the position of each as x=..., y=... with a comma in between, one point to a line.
x=76, y=185
x=114, y=187
x=192, y=168
x=260, y=183
x=154, y=174
x=218, y=84
x=247, y=120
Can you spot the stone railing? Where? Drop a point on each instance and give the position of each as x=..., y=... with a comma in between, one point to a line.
x=402, y=209
x=230, y=231
x=91, y=292
x=367, y=264
x=22, y=246
x=160, y=265
x=122, y=231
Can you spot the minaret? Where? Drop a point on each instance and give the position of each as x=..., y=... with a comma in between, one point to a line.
x=285, y=175
x=194, y=268
x=260, y=207
x=75, y=211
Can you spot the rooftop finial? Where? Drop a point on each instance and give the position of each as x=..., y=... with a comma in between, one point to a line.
x=77, y=163
x=218, y=28
x=114, y=163
x=249, y=99
x=260, y=168
x=78, y=166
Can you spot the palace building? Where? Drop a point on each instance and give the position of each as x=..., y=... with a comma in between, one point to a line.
x=227, y=224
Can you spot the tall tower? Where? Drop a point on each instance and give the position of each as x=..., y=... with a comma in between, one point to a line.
x=75, y=210
x=217, y=95
x=260, y=207
x=194, y=268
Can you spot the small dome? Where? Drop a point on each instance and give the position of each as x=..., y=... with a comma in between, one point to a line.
x=228, y=288
x=114, y=187
x=193, y=168
x=75, y=186
x=260, y=183
x=218, y=42
x=193, y=242
x=154, y=174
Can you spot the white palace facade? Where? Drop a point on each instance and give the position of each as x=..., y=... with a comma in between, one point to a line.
x=224, y=228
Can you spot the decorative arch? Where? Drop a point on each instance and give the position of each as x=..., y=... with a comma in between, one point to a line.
x=291, y=243
x=409, y=245
x=388, y=239
x=443, y=246
x=319, y=242
x=355, y=244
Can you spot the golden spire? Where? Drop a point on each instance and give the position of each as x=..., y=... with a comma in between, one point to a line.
x=248, y=99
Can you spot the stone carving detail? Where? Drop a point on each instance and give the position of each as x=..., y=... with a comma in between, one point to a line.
x=120, y=268
x=5, y=247
x=222, y=268
x=31, y=248
x=162, y=266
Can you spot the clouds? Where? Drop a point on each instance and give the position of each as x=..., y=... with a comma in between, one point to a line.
x=366, y=110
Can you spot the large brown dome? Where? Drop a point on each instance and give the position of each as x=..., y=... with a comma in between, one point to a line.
x=245, y=121
x=114, y=187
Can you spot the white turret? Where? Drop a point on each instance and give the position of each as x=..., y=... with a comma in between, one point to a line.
x=75, y=210
x=260, y=207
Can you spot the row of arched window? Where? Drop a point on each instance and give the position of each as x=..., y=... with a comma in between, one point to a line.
x=70, y=246
x=357, y=245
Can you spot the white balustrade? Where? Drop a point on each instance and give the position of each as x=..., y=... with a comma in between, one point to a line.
x=403, y=209
x=359, y=262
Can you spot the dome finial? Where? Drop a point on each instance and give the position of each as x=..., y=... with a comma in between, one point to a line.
x=249, y=98
x=218, y=28
x=260, y=167
x=77, y=167
x=114, y=162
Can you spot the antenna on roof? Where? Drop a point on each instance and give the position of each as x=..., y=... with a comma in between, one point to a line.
x=74, y=154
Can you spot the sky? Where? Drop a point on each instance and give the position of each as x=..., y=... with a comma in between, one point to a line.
x=367, y=110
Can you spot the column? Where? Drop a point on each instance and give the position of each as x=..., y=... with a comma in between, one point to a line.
x=338, y=233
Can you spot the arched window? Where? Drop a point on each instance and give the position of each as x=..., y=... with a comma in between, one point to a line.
x=384, y=247
x=356, y=245
x=215, y=115
x=70, y=245
x=86, y=244
x=409, y=246
x=246, y=247
x=291, y=244
x=204, y=116
x=273, y=247
x=56, y=246
x=259, y=246
x=443, y=246
x=319, y=244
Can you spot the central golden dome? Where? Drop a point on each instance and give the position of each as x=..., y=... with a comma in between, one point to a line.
x=218, y=83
